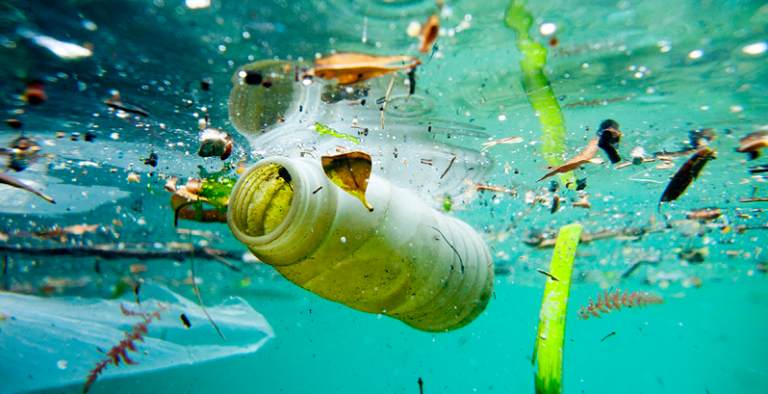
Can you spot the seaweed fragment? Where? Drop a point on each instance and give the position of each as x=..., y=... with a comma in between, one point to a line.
x=607, y=302
x=120, y=351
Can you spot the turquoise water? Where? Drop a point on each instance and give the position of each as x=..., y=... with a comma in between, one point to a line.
x=660, y=69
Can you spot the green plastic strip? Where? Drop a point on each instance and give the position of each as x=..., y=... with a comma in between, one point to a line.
x=551, y=334
x=537, y=87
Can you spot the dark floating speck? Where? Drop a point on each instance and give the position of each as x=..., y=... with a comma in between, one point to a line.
x=253, y=78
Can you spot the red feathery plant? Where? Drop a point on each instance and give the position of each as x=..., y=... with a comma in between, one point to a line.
x=120, y=351
x=613, y=301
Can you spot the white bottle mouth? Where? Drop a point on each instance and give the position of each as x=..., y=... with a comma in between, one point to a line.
x=269, y=208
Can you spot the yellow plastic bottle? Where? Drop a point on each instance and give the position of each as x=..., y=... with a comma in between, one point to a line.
x=404, y=260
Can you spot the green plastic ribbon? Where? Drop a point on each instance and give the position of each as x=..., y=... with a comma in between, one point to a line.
x=537, y=87
x=550, y=337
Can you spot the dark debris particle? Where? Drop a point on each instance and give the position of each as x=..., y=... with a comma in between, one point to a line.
x=253, y=78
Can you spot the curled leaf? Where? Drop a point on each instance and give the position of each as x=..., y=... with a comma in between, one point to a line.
x=428, y=33
x=350, y=171
x=584, y=157
x=349, y=68
x=752, y=144
x=686, y=174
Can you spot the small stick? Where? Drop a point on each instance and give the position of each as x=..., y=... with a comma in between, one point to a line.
x=386, y=99
x=197, y=293
x=547, y=274
x=212, y=253
x=449, y=167
x=631, y=269
x=533, y=205
x=608, y=336
x=317, y=190
x=754, y=199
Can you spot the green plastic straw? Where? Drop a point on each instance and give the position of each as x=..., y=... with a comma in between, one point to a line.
x=551, y=334
x=537, y=87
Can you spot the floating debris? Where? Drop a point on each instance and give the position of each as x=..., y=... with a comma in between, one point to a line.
x=22, y=153
x=694, y=255
x=583, y=202
x=614, y=301
x=610, y=136
x=428, y=33
x=151, y=160
x=349, y=68
x=325, y=130
x=215, y=142
x=701, y=137
x=752, y=144
x=116, y=102
x=508, y=140
x=134, y=177
x=686, y=174
x=587, y=156
x=35, y=92
x=705, y=214
x=13, y=182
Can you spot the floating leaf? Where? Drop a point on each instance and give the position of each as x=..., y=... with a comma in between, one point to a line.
x=11, y=181
x=686, y=174
x=350, y=171
x=349, y=68
x=753, y=143
x=584, y=157
x=428, y=33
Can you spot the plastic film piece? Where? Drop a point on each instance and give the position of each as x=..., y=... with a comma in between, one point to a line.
x=537, y=87
x=261, y=95
x=550, y=337
x=391, y=261
x=74, y=328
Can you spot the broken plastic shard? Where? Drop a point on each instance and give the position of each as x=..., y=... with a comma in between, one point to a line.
x=73, y=329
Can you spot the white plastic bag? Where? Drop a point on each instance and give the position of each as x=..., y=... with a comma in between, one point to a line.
x=51, y=342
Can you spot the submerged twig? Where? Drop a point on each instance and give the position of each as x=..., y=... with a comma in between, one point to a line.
x=541, y=271
x=199, y=298
x=449, y=167
x=386, y=99
x=533, y=205
x=113, y=252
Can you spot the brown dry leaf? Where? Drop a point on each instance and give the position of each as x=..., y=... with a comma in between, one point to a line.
x=753, y=143
x=350, y=171
x=349, y=68
x=428, y=33
x=584, y=157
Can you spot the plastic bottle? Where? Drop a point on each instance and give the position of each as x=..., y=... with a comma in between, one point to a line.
x=404, y=260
